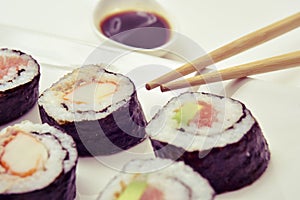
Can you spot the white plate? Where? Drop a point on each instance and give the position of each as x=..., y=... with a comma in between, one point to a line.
x=277, y=109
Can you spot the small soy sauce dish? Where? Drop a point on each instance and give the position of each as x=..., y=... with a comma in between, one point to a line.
x=137, y=25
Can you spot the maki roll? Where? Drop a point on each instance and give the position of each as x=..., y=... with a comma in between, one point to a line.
x=99, y=109
x=19, y=84
x=159, y=179
x=36, y=162
x=217, y=136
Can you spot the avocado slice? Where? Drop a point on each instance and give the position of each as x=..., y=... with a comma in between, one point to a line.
x=133, y=191
x=186, y=113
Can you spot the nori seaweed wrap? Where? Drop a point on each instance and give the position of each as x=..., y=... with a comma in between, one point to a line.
x=99, y=109
x=19, y=84
x=157, y=179
x=217, y=136
x=37, y=162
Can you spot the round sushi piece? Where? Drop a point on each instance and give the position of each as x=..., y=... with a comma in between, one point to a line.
x=99, y=109
x=19, y=84
x=217, y=136
x=37, y=161
x=158, y=179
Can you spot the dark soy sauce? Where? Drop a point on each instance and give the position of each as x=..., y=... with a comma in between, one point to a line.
x=138, y=29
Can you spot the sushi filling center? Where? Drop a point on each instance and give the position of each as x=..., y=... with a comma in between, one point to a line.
x=92, y=93
x=200, y=114
x=22, y=154
x=10, y=65
x=140, y=190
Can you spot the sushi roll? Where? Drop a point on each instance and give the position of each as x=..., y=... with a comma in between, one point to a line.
x=217, y=136
x=99, y=109
x=19, y=84
x=159, y=179
x=37, y=161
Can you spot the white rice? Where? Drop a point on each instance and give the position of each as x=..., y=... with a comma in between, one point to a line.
x=51, y=99
x=175, y=180
x=225, y=130
x=12, y=79
x=54, y=166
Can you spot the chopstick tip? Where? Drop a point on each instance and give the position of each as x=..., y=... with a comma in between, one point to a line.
x=164, y=88
x=151, y=85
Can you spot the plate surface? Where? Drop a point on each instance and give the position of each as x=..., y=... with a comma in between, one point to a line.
x=276, y=107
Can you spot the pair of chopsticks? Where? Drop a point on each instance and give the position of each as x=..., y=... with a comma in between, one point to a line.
x=246, y=42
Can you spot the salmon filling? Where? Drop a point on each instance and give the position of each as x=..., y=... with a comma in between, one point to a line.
x=140, y=190
x=200, y=114
x=11, y=63
x=152, y=193
x=92, y=93
x=22, y=154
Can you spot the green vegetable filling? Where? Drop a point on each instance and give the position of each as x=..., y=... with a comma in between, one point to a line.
x=133, y=191
x=186, y=113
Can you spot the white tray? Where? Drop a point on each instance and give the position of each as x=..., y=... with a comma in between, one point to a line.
x=277, y=109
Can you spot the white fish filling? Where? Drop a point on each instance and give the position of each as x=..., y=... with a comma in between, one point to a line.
x=88, y=93
x=29, y=161
x=223, y=130
x=12, y=79
x=34, y=157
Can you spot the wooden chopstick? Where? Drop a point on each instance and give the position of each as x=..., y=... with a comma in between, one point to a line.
x=246, y=42
x=262, y=66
